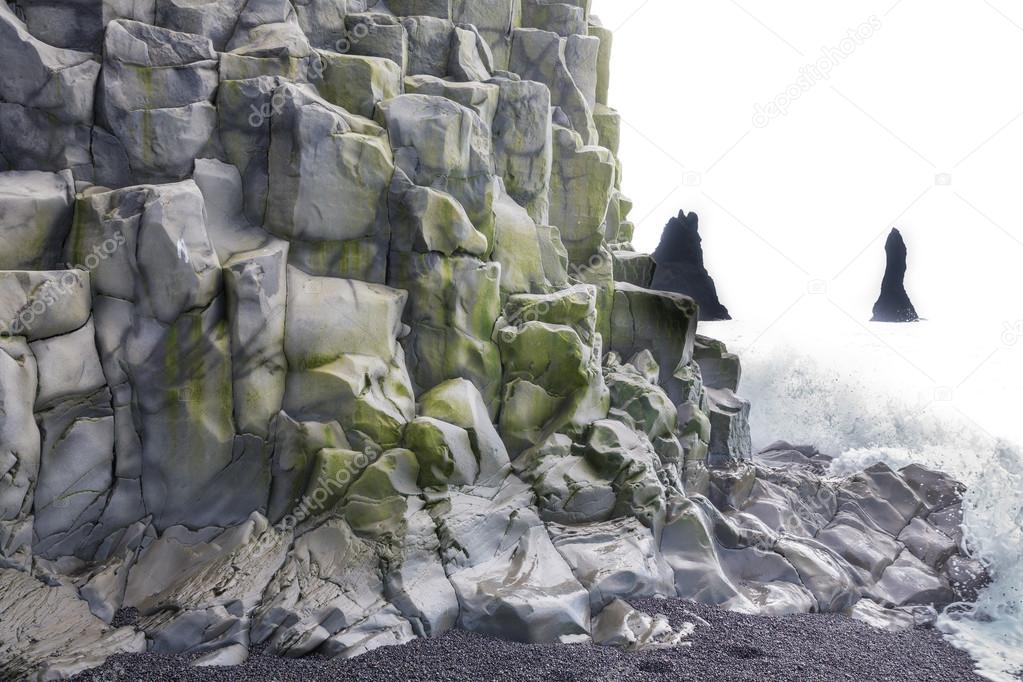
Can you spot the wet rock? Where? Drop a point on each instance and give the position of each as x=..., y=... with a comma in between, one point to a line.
x=354, y=349
x=966, y=576
x=533, y=589
x=730, y=439
x=893, y=620
x=614, y=559
x=688, y=546
x=927, y=543
x=621, y=626
x=909, y=581
x=863, y=547
x=831, y=581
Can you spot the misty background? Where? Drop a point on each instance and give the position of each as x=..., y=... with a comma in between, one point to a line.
x=916, y=124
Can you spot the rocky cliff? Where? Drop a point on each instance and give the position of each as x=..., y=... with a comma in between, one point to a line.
x=322, y=331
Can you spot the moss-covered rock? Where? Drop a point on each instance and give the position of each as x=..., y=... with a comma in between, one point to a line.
x=329, y=174
x=635, y=400
x=661, y=322
x=330, y=478
x=354, y=82
x=36, y=210
x=443, y=451
x=454, y=303
x=628, y=459
x=582, y=180
x=344, y=359
x=551, y=355
x=374, y=505
x=295, y=448
x=459, y=402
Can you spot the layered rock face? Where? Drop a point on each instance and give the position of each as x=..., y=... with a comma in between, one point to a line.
x=679, y=266
x=322, y=331
x=893, y=305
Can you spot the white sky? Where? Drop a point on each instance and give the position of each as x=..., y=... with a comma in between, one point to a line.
x=936, y=89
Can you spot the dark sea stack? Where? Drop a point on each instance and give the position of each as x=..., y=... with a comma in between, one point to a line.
x=680, y=267
x=894, y=305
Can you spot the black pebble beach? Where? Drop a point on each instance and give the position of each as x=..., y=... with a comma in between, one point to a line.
x=730, y=647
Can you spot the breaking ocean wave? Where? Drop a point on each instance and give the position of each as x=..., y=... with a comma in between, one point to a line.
x=860, y=395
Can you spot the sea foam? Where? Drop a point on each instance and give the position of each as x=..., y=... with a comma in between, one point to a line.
x=869, y=395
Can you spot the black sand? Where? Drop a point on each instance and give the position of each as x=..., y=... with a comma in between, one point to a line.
x=733, y=647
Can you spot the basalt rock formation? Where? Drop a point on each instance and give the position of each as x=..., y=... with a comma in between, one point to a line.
x=680, y=266
x=894, y=305
x=317, y=337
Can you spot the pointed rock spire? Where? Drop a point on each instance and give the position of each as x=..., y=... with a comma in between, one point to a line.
x=680, y=267
x=894, y=305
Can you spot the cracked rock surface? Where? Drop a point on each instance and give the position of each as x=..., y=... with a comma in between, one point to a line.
x=321, y=331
